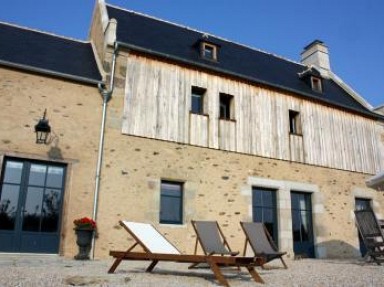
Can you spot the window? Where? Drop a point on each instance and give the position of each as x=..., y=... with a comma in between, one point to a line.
x=171, y=202
x=197, y=100
x=316, y=84
x=226, y=106
x=264, y=209
x=208, y=51
x=294, y=122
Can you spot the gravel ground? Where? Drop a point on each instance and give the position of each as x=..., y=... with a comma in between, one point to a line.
x=28, y=270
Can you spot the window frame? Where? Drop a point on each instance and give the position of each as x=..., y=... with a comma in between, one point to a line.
x=262, y=206
x=180, y=198
x=316, y=84
x=213, y=54
x=198, y=91
x=295, y=127
x=228, y=101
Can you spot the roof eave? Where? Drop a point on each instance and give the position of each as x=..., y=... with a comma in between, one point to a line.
x=51, y=73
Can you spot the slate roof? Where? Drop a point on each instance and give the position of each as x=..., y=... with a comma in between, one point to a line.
x=47, y=53
x=150, y=35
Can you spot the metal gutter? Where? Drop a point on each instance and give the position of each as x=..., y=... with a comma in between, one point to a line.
x=50, y=72
x=106, y=95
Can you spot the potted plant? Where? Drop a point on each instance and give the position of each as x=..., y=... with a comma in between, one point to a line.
x=84, y=228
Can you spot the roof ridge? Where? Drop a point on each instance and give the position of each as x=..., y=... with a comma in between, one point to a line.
x=44, y=32
x=209, y=34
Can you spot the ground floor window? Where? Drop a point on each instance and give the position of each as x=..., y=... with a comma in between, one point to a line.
x=264, y=209
x=171, y=202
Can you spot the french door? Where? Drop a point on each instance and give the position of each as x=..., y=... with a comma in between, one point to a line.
x=302, y=228
x=31, y=196
x=362, y=204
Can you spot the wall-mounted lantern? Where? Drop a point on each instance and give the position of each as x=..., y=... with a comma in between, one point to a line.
x=42, y=130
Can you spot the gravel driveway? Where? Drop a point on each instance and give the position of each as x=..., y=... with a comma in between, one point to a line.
x=34, y=270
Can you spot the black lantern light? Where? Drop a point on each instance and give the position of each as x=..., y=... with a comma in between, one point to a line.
x=42, y=130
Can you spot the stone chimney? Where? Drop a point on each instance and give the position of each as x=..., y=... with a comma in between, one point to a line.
x=316, y=54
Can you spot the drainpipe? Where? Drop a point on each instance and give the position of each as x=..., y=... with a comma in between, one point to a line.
x=106, y=94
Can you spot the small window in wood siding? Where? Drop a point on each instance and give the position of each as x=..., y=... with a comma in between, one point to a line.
x=316, y=84
x=294, y=122
x=226, y=107
x=197, y=100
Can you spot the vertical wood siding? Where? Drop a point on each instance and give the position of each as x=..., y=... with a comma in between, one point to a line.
x=157, y=105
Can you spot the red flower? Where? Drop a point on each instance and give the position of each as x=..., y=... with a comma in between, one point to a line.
x=85, y=222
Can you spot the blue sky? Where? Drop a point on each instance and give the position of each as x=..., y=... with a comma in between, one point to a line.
x=353, y=30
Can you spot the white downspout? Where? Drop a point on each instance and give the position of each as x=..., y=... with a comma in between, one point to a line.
x=106, y=95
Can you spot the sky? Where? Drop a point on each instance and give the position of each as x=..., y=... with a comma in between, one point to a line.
x=353, y=30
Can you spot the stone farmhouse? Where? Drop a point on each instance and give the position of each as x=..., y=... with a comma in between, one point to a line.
x=155, y=122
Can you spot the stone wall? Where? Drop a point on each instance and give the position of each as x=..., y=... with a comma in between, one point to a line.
x=218, y=187
x=74, y=113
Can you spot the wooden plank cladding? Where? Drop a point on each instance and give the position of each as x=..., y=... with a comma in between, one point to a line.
x=158, y=104
x=227, y=135
x=198, y=130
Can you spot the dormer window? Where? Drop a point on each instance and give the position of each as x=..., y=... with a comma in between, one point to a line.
x=208, y=51
x=316, y=84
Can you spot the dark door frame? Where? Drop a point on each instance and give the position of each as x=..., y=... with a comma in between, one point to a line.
x=42, y=240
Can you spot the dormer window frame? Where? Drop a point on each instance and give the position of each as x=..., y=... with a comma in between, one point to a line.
x=205, y=47
x=316, y=84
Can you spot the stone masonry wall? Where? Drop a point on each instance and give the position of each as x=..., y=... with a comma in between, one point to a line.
x=214, y=190
x=74, y=113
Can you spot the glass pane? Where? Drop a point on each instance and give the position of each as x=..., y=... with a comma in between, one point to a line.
x=295, y=201
x=170, y=210
x=305, y=226
x=257, y=214
x=296, y=226
x=8, y=206
x=268, y=215
x=51, y=209
x=55, y=177
x=257, y=197
x=37, y=174
x=13, y=172
x=362, y=204
x=208, y=52
x=32, y=209
x=197, y=104
x=302, y=203
x=171, y=189
x=268, y=198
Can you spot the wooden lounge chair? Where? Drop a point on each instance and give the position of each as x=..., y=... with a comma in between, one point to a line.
x=157, y=248
x=261, y=242
x=211, y=238
x=371, y=234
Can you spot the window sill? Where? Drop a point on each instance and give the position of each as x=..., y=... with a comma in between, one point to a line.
x=198, y=114
x=173, y=225
x=295, y=134
x=227, y=120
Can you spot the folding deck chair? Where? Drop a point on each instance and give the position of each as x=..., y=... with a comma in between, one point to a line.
x=211, y=238
x=371, y=234
x=157, y=248
x=261, y=242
